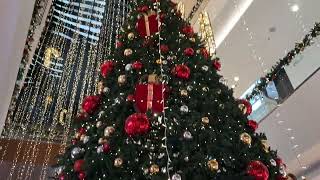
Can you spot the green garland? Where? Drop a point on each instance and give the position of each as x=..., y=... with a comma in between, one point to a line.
x=299, y=48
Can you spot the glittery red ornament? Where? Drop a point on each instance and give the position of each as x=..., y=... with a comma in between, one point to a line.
x=164, y=49
x=78, y=165
x=148, y=24
x=82, y=130
x=137, y=124
x=188, y=31
x=204, y=52
x=119, y=44
x=106, y=68
x=279, y=161
x=181, y=71
x=216, y=64
x=137, y=65
x=90, y=104
x=130, y=98
x=62, y=176
x=143, y=9
x=189, y=52
x=258, y=170
x=81, y=175
x=253, y=125
x=106, y=147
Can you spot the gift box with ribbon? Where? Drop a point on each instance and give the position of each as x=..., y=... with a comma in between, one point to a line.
x=150, y=95
x=148, y=24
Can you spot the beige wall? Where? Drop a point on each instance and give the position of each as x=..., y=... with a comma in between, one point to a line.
x=15, y=16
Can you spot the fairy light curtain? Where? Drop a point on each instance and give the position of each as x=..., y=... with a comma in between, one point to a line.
x=79, y=35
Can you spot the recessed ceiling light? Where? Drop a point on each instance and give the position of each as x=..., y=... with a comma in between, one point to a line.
x=294, y=8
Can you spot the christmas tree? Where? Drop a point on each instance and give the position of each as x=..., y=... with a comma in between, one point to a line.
x=161, y=111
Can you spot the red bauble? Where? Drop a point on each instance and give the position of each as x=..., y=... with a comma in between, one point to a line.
x=204, y=53
x=137, y=124
x=164, y=48
x=90, y=103
x=74, y=141
x=248, y=107
x=137, y=65
x=106, y=147
x=189, y=52
x=130, y=98
x=82, y=130
x=279, y=161
x=181, y=71
x=81, y=175
x=188, y=31
x=253, y=125
x=106, y=68
x=216, y=64
x=62, y=176
x=143, y=9
x=258, y=170
x=119, y=44
x=78, y=165
x=147, y=25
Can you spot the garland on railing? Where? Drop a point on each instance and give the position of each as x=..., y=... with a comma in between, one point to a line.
x=194, y=9
x=299, y=48
x=38, y=11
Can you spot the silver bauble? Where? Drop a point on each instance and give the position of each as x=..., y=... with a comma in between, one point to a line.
x=176, y=177
x=75, y=152
x=187, y=135
x=184, y=108
x=128, y=67
x=86, y=139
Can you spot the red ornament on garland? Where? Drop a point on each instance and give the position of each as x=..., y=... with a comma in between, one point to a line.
x=137, y=124
x=90, y=103
x=188, y=31
x=106, y=68
x=189, y=52
x=181, y=71
x=81, y=175
x=119, y=44
x=148, y=24
x=82, y=130
x=204, y=52
x=137, y=65
x=164, y=49
x=258, y=170
x=216, y=64
x=253, y=125
x=245, y=107
x=78, y=165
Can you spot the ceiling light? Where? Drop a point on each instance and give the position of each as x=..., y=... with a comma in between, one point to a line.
x=294, y=8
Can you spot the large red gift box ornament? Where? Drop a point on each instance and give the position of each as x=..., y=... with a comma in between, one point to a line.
x=150, y=96
x=148, y=24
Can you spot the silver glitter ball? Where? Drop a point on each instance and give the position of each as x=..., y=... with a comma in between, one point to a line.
x=86, y=139
x=205, y=68
x=106, y=90
x=128, y=67
x=59, y=170
x=75, y=152
x=184, y=108
x=99, y=149
x=186, y=159
x=273, y=162
x=176, y=177
x=99, y=123
x=187, y=135
x=189, y=88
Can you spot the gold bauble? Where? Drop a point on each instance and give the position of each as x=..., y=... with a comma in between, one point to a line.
x=99, y=124
x=184, y=92
x=77, y=135
x=265, y=145
x=102, y=141
x=243, y=108
x=154, y=169
x=127, y=52
x=82, y=137
x=205, y=120
x=108, y=131
x=131, y=36
x=100, y=87
x=246, y=138
x=122, y=79
x=118, y=162
x=159, y=61
x=213, y=165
